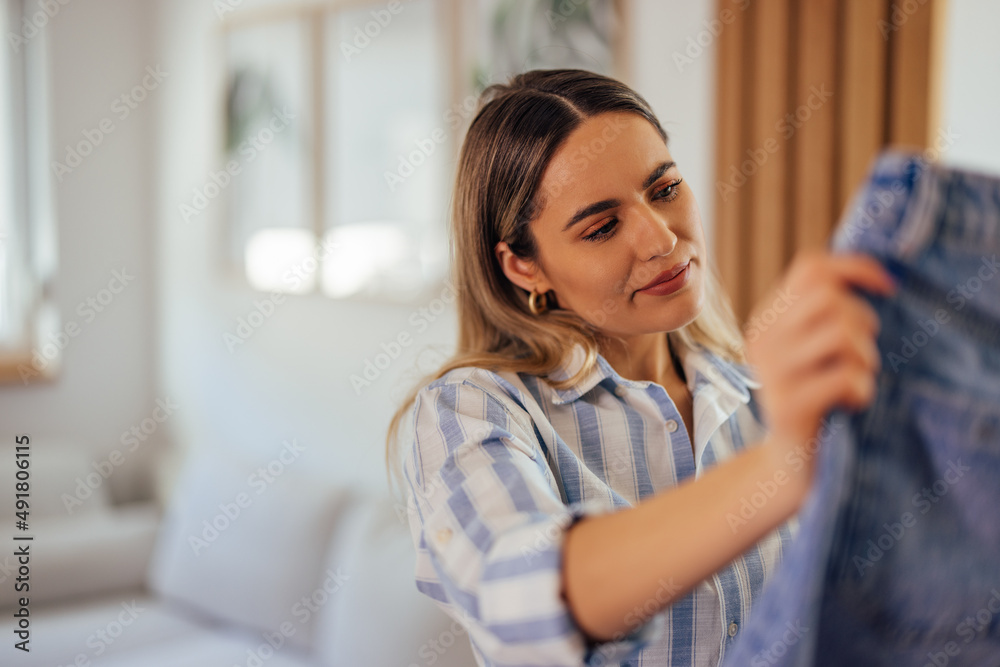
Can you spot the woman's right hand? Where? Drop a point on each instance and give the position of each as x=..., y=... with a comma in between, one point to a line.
x=813, y=343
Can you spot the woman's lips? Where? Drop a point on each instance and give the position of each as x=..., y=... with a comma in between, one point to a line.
x=670, y=285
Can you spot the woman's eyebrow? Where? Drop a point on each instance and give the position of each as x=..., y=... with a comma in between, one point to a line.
x=593, y=209
x=605, y=204
x=656, y=173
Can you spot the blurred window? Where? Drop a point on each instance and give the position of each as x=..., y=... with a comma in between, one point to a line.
x=343, y=123
x=28, y=249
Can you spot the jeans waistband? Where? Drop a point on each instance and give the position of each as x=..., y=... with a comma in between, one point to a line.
x=908, y=204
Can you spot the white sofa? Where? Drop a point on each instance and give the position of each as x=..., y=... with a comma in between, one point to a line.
x=241, y=568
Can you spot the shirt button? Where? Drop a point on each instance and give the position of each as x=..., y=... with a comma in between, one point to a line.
x=444, y=535
x=671, y=425
x=620, y=390
x=732, y=629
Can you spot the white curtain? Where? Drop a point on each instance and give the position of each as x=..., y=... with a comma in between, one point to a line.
x=28, y=248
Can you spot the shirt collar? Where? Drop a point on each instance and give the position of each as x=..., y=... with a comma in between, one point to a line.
x=701, y=366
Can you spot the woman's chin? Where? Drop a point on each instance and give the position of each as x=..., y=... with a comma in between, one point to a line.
x=685, y=308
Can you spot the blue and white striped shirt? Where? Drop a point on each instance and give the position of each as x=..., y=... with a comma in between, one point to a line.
x=502, y=464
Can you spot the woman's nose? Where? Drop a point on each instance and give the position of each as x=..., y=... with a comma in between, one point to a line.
x=656, y=237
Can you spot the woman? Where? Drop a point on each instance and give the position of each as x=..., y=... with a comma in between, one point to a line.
x=597, y=475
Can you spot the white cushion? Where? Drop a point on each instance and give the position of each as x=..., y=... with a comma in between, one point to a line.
x=257, y=564
x=378, y=617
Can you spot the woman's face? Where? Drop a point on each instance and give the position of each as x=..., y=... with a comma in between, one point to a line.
x=615, y=214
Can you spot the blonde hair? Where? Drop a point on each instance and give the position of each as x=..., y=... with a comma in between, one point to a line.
x=517, y=129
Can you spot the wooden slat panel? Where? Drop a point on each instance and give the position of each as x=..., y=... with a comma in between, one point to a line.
x=812, y=214
x=935, y=87
x=621, y=46
x=729, y=225
x=862, y=84
x=767, y=186
x=885, y=79
x=915, y=41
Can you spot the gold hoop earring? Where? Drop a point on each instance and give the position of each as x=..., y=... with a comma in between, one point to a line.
x=533, y=303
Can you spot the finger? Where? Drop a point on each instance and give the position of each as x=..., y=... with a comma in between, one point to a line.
x=855, y=313
x=818, y=280
x=807, y=310
x=861, y=387
x=838, y=340
x=864, y=271
x=846, y=385
x=828, y=306
x=859, y=325
x=861, y=349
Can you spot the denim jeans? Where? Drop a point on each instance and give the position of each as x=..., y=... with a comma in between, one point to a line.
x=897, y=560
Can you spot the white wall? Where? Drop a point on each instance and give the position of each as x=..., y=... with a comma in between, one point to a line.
x=971, y=111
x=291, y=379
x=99, y=50
x=674, y=63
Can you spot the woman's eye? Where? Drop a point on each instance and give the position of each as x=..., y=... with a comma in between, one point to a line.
x=670, y=189
x=669, y=192
x=597, y=235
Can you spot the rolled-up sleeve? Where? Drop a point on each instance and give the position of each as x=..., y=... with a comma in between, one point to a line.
x=488, y=524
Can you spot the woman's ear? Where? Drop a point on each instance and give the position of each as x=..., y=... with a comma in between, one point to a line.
x=524, y=273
